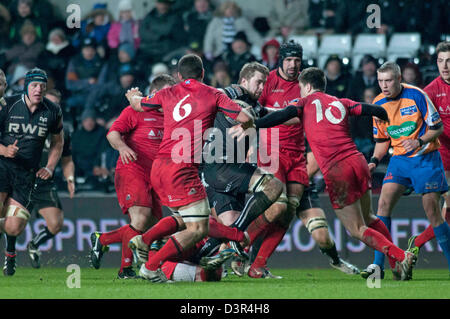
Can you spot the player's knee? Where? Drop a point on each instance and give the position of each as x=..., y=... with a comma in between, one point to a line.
x=322, y=237
x=55, y=227
x=269, y=185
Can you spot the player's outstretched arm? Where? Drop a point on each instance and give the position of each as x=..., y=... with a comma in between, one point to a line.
x=374, y=110
x=292, y=121
x=134, y=97
x=277, y=118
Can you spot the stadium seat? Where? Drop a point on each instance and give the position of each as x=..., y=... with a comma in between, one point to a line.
x=309, y=43
x=403, y=45
x=340, y=44
x=373, y=44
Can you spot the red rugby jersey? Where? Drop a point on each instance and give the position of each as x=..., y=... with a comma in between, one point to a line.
x=142, y=132
x=325, y=120
x=439, y=93
x=190, y=108
x=277, y=94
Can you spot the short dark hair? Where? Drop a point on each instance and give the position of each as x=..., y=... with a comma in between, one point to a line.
x=55, y=93
x=249, y=69
x=190, y=66
x=315, y=77
x=160, y=81
x=443, y=46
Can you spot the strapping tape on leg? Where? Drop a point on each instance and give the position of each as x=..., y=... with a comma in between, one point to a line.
x=17, y=211
x=261, y=184
x=293, y=202
x=195, y=213
x=283, y=199
x=316, y=223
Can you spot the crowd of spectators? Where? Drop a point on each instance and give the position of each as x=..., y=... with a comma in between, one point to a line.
x=94, y=66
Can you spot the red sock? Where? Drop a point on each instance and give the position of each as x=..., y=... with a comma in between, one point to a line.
x=257, y=227
x=112, y=237
x=171, y=249
x=218, y=230
x=380, y=227
x=165, y=227
x=428, y=233
x=127, y=254
x=273, y=237
x=375, y=240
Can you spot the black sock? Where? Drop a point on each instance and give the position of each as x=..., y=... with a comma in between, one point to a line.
x=42, y=237
x=11, y=244
x=254, y=207
x=332, y=253
x=208, y=249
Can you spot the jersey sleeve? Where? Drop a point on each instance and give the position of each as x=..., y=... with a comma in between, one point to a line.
x=226, y=105
x=57, y=125
x=151, y=102
x=67, y=148
x=125, y=123
x=353, y=107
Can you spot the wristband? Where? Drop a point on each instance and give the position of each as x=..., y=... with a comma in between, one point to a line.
x=421, y=142
x=374, y=160
x=70, y=179
x=48, y=170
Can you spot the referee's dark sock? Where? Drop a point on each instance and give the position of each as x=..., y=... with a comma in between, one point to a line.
x=11, y=244
x=255, y=206
x=332, y=253
x=42, y=237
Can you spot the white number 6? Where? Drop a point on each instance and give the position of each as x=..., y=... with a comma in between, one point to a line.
x=186, y=107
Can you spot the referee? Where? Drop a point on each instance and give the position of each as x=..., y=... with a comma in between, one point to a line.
x=25, y=122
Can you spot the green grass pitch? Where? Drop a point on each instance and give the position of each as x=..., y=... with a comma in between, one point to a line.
x=296, y=284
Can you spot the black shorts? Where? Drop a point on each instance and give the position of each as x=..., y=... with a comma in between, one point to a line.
x=17, y=182
x=45, y=194
x=310, y=199
x=224, y=202
x=232, y=179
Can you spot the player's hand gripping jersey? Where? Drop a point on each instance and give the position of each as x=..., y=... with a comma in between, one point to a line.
x=411, y=114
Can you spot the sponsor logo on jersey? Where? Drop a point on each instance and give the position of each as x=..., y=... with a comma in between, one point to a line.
x=27, y=129
x=276, y=104
x=278, y=91
x=405, y=129
x=434, y=116
x=409, y=110
x=192, y=191
x=375, y=131
x=149, y=119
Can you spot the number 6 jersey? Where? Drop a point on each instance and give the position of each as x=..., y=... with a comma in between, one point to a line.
x=326, y=125
x=190, y=108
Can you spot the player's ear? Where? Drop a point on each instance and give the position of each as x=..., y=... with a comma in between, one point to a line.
x=180, y=78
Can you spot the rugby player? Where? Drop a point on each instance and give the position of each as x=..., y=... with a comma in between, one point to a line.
x=345, y=170
x=439, y=93
x=137, y=137
x=45, y=197
x=189, y=109
x=25, y=122
x=413, y=132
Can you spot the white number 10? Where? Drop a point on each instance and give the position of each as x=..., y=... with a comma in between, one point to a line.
x=330, y=117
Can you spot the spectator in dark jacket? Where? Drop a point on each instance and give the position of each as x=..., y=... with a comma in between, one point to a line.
x=88, y=143
x=337, y=81
x=23, y=13
x=56, y=57
x=27, y=51
x=85, y=70
x=161, y=32
x=238, y=55
x=196, y=21
x=366, y=77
